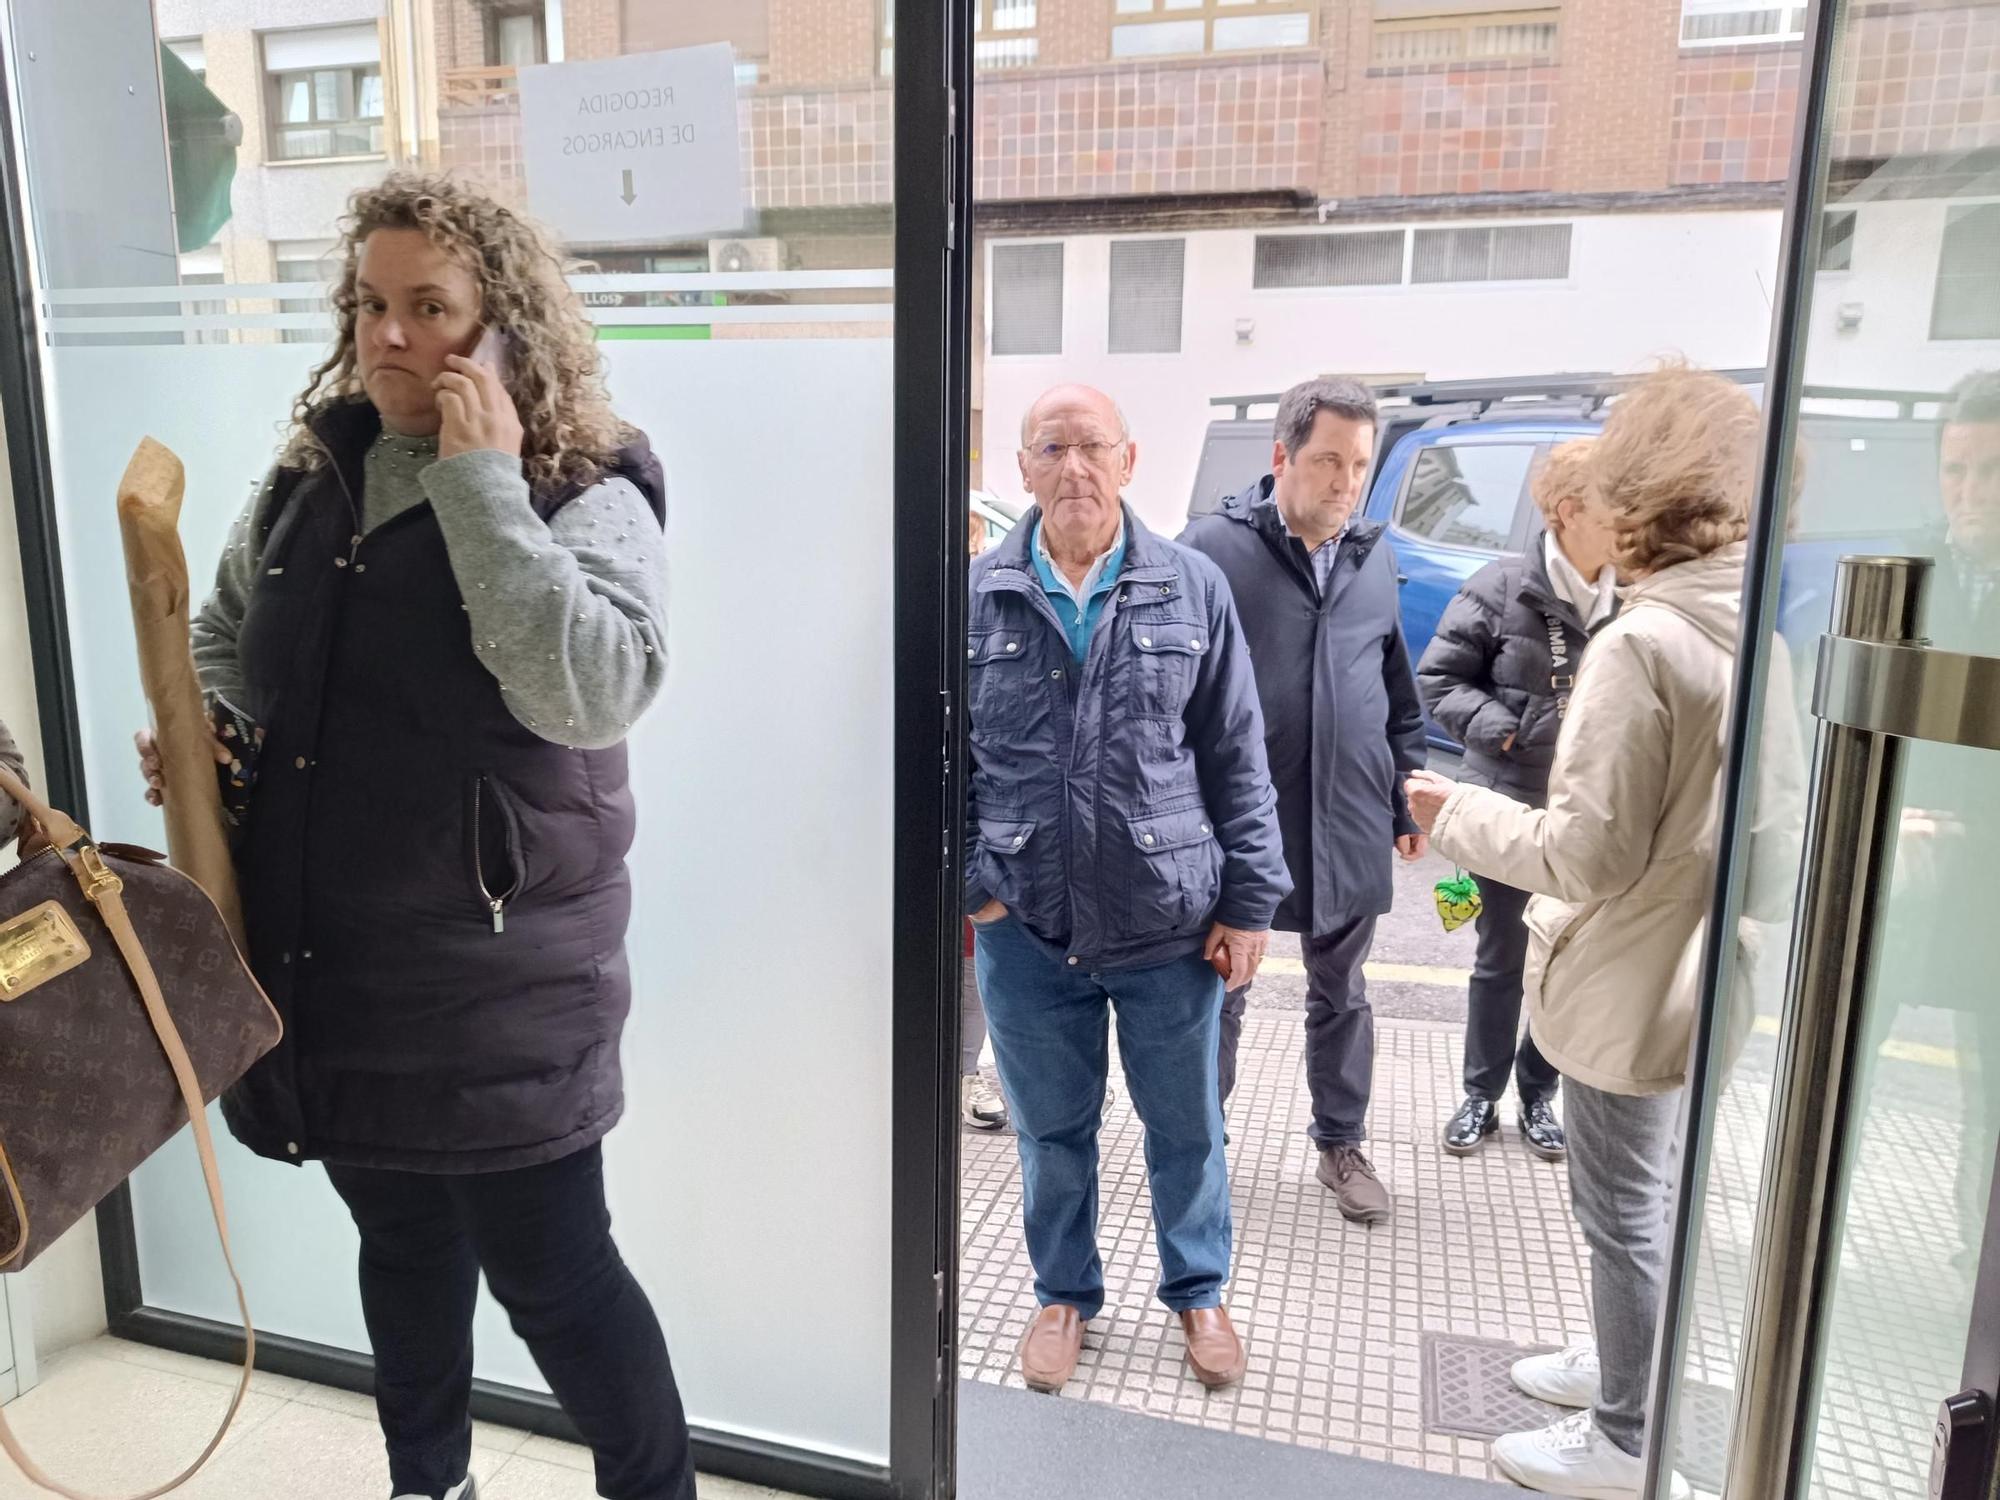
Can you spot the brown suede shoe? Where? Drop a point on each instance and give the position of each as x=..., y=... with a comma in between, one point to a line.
x=1356, y=1188
x=1050, y=1348
x=1214, y=1352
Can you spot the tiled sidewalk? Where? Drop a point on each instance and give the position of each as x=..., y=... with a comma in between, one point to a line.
x=1335, y=1314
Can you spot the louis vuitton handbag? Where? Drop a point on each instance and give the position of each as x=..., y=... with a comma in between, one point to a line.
x=125, y=1007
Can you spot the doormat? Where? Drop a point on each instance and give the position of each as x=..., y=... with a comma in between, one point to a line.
x=1469, y=1392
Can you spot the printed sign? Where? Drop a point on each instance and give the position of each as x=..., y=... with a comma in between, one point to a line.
x=635, y=149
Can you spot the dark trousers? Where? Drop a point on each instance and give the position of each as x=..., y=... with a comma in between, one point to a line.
x=1340, y=1033
x=543, y=1237
x=1494, y=1044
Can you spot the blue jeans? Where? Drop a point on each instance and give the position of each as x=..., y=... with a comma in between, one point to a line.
x=1047, y=1022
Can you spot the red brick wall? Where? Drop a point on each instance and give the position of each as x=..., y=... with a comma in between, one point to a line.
x=1457, y=130
x=808, y=150
x=461, y=34
x=1174, y=127
x=1619, y=63
x=1733, y=114
x=1921, y=80
x=820, y=43
x=592, y=28
x=1073, y=32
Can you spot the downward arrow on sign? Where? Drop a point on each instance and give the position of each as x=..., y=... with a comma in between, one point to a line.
x=628, y=195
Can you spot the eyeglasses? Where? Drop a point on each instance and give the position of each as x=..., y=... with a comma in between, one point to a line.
x=1051, y=455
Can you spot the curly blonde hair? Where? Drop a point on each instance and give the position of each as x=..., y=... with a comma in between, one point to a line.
x=1677, y=466
x=1564, y=475
x=569, y=432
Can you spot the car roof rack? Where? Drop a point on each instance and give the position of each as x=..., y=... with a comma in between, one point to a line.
x=1580, y=393
x=1586, y=387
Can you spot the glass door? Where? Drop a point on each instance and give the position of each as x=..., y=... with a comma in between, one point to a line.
x=754, y=221
x=1837, y=1214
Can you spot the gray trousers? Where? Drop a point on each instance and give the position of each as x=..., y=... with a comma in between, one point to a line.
x=1340, y=1033
x=1624, y=1153
x=971, y=1022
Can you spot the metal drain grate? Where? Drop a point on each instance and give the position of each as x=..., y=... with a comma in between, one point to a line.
x=1470, y=1392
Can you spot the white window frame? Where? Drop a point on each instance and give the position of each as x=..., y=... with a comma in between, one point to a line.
x=1787, y=11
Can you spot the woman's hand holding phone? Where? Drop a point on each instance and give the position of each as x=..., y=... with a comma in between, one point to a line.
x=472, y=399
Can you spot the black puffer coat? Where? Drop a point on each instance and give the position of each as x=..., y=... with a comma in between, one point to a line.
x=1490, y=672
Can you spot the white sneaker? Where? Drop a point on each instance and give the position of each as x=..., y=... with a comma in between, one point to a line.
x=1568, y=1378
x=1573, y=1458
x=980, y=1104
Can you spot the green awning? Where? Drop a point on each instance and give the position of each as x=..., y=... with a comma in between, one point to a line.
x=202, y=136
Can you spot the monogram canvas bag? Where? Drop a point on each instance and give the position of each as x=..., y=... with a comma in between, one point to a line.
x=125, y=1008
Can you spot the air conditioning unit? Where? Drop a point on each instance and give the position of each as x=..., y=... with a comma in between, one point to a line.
x=746, y=255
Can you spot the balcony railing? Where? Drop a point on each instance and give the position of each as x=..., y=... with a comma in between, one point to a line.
x=477, y=88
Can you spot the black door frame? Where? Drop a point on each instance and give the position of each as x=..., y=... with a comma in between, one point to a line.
x=932, y=389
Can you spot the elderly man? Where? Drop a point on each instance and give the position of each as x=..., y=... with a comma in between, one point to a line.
x=1122, y=852
x=1317, y=590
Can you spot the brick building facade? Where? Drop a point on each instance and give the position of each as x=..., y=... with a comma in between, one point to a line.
x=1385, y=99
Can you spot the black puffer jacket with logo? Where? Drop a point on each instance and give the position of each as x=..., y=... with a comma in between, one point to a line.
x=1490, y=672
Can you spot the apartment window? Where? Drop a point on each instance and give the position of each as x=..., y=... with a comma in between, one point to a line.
x=304, y=261
x=326, y=92
x=1504, y=252
x=517, y=36
x=1967, y=302
x=1721, y=23
x=1166, y=28
x=193, y=54
x=1004, y=35
x=1365, y=258
x=1467, y=494
x=1504, y=36
x=1027, y=299
x=1146, y=285
x=1836, y=240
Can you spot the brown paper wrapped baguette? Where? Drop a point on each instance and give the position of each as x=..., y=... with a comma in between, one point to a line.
x=149, y=516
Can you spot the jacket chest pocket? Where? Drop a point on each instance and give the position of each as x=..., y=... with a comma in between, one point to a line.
x=1166, y=657
x=998, y=666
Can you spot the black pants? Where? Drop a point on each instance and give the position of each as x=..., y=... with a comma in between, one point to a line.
x=1340, y=1033
x=1494, y=1043
x=543, y=1237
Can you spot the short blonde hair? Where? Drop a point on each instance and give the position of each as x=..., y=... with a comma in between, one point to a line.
x=1564, y=475
x=1677, y=466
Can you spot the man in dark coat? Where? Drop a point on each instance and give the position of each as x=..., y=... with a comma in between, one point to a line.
x=1316, y=590
x=1951, y=805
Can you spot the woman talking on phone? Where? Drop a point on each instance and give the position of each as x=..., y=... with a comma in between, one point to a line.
x=431, y=631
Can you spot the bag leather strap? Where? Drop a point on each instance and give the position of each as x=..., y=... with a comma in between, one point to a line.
x=102, y=888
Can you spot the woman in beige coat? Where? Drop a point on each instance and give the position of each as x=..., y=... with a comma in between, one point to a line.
x=1622, y=866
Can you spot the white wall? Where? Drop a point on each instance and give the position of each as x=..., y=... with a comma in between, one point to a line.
x=178, y=18
x=1892, y=284
x=1640, y=285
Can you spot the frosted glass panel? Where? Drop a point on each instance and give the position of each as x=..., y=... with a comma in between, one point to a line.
x=756, y=1217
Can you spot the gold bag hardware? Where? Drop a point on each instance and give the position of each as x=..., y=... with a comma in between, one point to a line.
x=37, y=947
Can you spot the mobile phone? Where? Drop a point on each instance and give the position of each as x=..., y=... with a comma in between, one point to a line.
x=495, y=350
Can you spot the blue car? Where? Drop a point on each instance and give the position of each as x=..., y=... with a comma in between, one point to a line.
x=1454, y=460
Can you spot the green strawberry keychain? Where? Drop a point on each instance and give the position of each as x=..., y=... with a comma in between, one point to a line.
x=1458, y=901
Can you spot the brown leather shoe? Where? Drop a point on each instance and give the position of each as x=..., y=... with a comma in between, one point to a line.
x=1356, y=1188
x=1214, y=1352
x=1050, y=1348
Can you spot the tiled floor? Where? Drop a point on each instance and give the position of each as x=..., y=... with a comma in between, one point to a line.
x=1334, y=1313
x=114, y=1417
